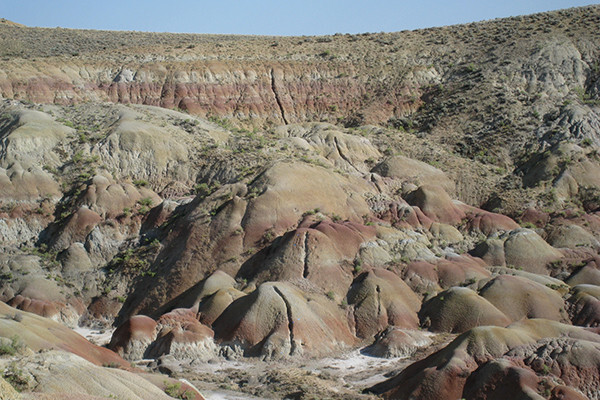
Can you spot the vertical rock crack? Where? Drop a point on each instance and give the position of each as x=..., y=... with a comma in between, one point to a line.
x=290, y=318
x=341, y=153
x=305, y=272
x=378, y=300
x=277, y=98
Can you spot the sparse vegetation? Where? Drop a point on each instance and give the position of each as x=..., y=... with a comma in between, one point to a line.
x=16, y=377
x=146, y=201
x=358, y=122
x=11, y=347
x=140, y=182
x=174, y=390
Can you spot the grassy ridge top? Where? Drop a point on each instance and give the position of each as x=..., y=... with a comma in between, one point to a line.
x=29, y=42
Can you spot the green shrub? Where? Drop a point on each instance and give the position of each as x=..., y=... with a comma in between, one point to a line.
x=15, y=376
x=77, y=157
x=140, y=182
x=12, y=348
x=146, y=201
x=357, y=265
x=174, y=390
x=202, y=189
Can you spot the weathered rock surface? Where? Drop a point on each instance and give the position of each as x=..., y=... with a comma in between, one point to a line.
x=458, y=309
x=39, y=333
x=522, y=248
x=398, y=342
x=277, y=320
x=380, y=298
x=315, y=256
x=519, y=297
x=132, y=338
x=446, y=374
x=585, y=305
x=58, y=374
x=415, y=172
x=177, y=333
x=304, y=199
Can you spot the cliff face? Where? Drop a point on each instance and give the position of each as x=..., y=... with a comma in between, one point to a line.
x=274, y=92
x=487, y=70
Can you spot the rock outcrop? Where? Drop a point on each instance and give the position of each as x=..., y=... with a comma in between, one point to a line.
x=289, y=198
x=277, y=320
x=484, y=356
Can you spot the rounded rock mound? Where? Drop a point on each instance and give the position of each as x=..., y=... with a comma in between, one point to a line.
x=278, y=320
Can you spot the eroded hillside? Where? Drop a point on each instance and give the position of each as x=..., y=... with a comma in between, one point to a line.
x=432, y=195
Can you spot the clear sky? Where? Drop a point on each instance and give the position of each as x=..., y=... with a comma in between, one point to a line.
x=267, y=17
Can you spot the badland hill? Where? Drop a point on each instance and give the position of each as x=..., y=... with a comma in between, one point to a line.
x=430, y=196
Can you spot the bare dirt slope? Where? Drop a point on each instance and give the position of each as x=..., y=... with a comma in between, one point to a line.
x=430, y=196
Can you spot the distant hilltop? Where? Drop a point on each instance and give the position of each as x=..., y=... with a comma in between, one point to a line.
x=4, y=21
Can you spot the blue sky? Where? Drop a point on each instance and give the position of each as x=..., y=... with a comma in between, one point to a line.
x=267, y=17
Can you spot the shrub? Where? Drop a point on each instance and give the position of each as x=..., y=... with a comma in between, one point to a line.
x=140, y=182
x=268, y=236
x=16, y=377
x=528, y=225
x=174, y=390
x=146, y=201
x=12, y=348
x=202, y=189
x=77, y=157
x=357, y=265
